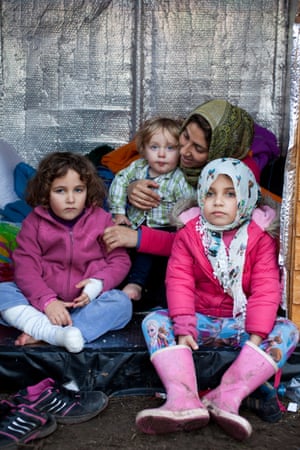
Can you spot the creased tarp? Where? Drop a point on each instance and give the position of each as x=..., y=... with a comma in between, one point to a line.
x=110, y=372
x=78, y=74
x=115, y=368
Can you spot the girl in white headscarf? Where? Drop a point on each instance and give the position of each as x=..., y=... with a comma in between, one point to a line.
x=223, y=288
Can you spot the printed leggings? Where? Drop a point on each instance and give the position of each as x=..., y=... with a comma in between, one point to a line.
x=219, y=332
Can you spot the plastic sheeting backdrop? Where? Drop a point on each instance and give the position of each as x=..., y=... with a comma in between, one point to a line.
x=77, y=74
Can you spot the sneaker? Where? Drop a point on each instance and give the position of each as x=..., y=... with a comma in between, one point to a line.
x=264, y=403
x=20, y=425
x=67, y=406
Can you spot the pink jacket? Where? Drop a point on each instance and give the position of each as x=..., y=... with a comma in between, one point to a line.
x=160, y=243
x=192, y=287
x=52, y=258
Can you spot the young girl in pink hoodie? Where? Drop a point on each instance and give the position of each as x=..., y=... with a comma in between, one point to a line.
x=223, y=288
x=64, y=290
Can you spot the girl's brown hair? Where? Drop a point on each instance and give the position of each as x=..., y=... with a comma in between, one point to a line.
x=151, y=126
x=56, y=165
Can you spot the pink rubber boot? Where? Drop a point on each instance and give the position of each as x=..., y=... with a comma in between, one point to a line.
x=183, y=409
x=251, y=368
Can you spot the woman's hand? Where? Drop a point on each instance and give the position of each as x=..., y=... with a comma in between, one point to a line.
x=58, y=314
x=119, y=236
x=141, y=195
x=189, y=341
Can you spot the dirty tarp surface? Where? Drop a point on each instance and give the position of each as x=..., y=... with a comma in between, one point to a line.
x=116, y=364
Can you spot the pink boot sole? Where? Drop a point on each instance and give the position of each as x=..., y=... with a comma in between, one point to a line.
x=161, y=421
x=233, y=424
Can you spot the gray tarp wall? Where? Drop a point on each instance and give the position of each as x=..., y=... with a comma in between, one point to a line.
x=79, y=73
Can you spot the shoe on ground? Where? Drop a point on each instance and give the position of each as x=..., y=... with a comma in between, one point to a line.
x=67, y=406
x=20, y=425
x=264, y=403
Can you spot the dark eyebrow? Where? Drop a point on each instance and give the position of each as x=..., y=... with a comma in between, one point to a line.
x=230, y=188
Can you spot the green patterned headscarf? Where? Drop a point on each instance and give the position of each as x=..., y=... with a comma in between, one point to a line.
x=232, y=131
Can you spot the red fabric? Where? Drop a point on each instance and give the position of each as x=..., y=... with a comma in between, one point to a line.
x=250, y=162
x=191, y=285
x=6, y=272
x=156, y=242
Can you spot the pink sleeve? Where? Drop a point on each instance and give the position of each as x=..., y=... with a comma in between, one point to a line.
x=185, y=325
x=265, y=294
x=156, y=242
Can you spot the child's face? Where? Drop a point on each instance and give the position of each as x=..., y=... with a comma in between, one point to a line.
x=220, y=203
x=162, y=153
x=68, y=196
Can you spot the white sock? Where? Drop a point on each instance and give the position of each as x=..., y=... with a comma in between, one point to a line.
x=33, y=322
x=71, y=338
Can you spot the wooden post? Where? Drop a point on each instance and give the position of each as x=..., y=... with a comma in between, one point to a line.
x=294, y=258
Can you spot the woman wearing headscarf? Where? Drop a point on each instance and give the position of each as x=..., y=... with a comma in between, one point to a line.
x=212, y=130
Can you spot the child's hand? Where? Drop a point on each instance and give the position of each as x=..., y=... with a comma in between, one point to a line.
x=189, y=341
x=81, y=301
x=91, y=289
x=58, y=314
x=121, y=219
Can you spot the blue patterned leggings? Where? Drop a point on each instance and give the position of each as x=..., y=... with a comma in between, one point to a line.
x=219, y=332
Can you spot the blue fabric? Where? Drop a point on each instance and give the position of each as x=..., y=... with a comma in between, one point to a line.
x=18, y=210
x=10, y=296
x=22, y=174
x=140, y=269
x=15, y=211
x=107, y=176
x=112, y=310
x=216, y=331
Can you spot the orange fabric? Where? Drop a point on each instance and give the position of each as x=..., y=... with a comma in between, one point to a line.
x=267, y=193
x=121, y=157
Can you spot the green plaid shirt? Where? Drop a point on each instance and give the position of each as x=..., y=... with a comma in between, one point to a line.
x=172, y=187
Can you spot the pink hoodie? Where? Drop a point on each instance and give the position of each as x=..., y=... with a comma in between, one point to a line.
x=52, y=258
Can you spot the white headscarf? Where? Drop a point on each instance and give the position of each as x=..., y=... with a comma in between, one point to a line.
x=228, y=266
